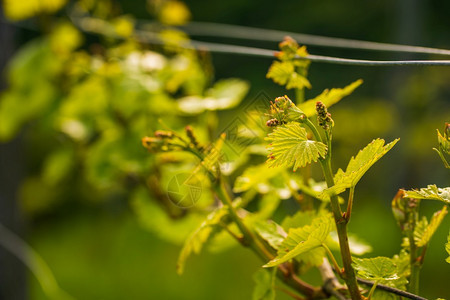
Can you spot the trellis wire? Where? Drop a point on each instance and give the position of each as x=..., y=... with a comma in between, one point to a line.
x=270, y=35
x=98, y=26
x=102, y=27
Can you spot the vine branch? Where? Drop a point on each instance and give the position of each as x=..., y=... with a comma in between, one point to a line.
x=392, y=290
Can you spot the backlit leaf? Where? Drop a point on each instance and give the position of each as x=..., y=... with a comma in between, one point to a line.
x=200, y=236
x=254, y=176
x=358, y=166
x=328, y=97
x=291, y=147
x=265, y=281
x=224, y=94
x=303, y=241
x=423, y=234
x=280, y=72
x=270, y=232
x=431, y=192
x=375, y=269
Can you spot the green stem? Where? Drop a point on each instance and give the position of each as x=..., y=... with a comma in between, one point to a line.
x=413, y=286
x=333, y=259
x=341, y=225
x=372, y=290
x=313, y=129
x=350, y=204
x=299, y=95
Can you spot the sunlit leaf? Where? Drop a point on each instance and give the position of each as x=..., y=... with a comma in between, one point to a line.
x=303, y=241
x=291, y=147
x=265, y=281
x=431, y=192
x=297, y=81
x=225, y=94
x=270, y=232
x=284, y=73
x=423, y=234
x=328, y=97
x=254, y=176
x=358, y=166
x=300, y=219
x=376, y=269
x=280, y=72
x=200, y=236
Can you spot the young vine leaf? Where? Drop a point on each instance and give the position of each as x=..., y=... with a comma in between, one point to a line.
x=358, y=166
x=431, y=192
x=265, y=281
x=254, y=176
x=291, y=147
x=225, y=94
x=270, y=232
x=200, y=236
x=424, y=232
x=306, y=241
x=328, y=97
x=376, y=269
x=290, y=71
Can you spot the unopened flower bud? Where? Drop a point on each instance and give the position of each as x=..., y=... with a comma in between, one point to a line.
x=191, y=136
x=323, y=116
x=163, y=134
x=272, y=123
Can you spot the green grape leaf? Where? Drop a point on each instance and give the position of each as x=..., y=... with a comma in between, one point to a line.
x=200, y=236
x=290, y=146
x=284, y=73
x=423, y=234
x=431, y=192
x=280, y=72
x=376, y=269
x=444, y=142
x=225, y=94
x=270, y=232
x=357, y=167
x=297, y=81
x=255, y=176
x=265, y=282
x=300, y=219
x=447, y=248
x=328, y=97
x=303, y=241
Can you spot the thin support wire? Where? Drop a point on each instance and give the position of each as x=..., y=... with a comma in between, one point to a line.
x=269, y=35
x=102, y=27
